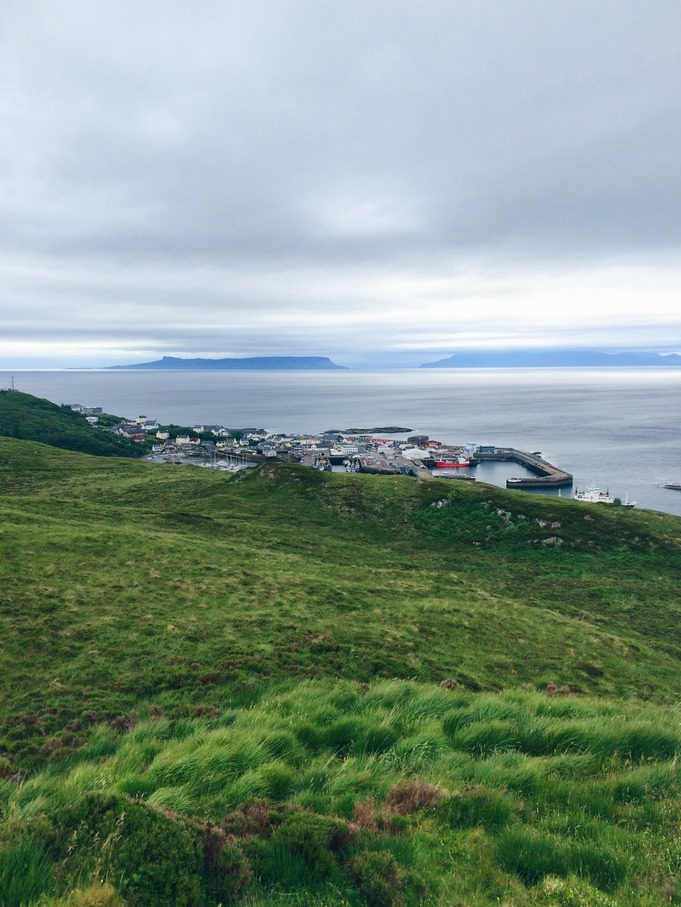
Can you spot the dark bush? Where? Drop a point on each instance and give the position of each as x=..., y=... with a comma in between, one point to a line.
x=377, y=877
x=304, y=849
x=152, y=859
x=226, y=870
x=411, y=795
x=382, y=882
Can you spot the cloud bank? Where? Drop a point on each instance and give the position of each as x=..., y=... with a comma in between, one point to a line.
x=368, y=180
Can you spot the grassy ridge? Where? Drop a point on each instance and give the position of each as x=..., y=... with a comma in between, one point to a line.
x=35, y=419
x=256, y=659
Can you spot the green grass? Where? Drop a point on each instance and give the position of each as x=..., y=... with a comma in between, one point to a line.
x=25, y=870
x=301, y=813
x=35, y=419
x=335, y=690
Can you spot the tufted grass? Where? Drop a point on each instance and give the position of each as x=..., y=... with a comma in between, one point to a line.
x=573, y=808
x=486, y=720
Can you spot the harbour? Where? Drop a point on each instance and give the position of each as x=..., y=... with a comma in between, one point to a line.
x=546, y=474
x=618, y=428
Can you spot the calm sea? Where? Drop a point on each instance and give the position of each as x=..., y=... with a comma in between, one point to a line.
x=619, y=428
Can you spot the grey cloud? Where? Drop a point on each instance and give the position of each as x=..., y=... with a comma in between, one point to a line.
x=293, y=135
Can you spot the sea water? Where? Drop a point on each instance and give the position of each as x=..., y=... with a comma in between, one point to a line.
x=617, y=428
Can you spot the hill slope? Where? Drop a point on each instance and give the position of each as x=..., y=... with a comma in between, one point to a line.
x=347, y=689
x=35, y=419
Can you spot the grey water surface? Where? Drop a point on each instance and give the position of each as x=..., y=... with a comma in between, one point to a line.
x=618, y=428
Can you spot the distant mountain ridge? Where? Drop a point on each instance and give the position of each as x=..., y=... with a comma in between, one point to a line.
x=252, y=362
x=553, y=359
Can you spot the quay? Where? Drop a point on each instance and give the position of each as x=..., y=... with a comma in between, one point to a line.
x=381, y=465
x=545, y=474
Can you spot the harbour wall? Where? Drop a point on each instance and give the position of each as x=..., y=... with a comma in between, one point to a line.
x=546, y=475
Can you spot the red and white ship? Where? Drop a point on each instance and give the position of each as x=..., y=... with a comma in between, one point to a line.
x=447, y=462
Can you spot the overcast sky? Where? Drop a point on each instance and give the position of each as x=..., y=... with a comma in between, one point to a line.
x=372, y=180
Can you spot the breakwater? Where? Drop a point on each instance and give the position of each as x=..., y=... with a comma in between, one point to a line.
x=546, y=475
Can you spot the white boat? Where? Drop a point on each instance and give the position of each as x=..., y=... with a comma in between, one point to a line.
x=593, y=495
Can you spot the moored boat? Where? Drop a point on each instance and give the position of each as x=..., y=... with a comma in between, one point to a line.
x=452, y=463
x=593, y=495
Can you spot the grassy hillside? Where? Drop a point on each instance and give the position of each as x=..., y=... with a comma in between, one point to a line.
x=34, y=419
x=331, y=689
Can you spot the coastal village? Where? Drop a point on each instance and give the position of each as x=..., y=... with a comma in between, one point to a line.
x=366, y=450
x=356, y=450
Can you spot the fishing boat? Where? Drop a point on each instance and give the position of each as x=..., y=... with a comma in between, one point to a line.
x=452, y=462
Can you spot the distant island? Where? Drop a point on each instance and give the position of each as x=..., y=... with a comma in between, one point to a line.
x=236, y=364
x=553, y=359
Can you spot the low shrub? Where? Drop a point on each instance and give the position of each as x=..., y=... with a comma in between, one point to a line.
x=365, y=814
x=151, y=859
x=411, y=795
x=226, y=869
x=382, y=882
x=304, y=849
